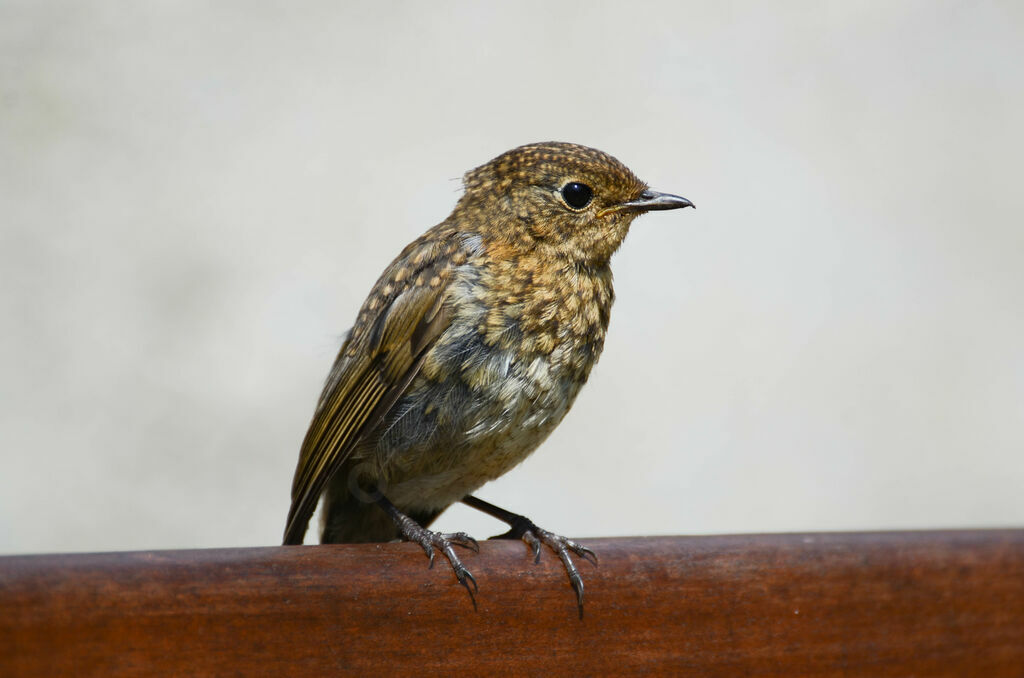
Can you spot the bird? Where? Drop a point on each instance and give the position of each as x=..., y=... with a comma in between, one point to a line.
x=469, y=350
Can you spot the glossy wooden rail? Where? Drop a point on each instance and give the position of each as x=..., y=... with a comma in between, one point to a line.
x=872, y=604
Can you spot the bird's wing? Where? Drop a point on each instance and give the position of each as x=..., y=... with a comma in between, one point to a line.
x=363, y=385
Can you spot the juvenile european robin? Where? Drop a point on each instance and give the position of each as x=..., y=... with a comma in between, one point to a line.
x=470, y=349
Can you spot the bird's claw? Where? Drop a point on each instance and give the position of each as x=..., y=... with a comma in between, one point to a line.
x=582, y=551
x=561, y=546
x=464, y=576
x=428, y=539
x=464, y=540
x=535, y=544
x=535, y=536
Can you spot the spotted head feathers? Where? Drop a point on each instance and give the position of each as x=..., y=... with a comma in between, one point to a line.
x=575, y=201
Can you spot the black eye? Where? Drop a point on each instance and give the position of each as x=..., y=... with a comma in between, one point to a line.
x=577, y=195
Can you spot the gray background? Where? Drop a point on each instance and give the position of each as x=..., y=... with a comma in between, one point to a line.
x=196, y=197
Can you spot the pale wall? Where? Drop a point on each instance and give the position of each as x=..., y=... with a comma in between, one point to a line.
x=196, y=197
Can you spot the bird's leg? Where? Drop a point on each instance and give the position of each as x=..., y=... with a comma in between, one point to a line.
x=525, y=529
x=428, y=539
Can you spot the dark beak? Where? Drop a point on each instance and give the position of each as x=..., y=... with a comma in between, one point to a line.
x=652, y=200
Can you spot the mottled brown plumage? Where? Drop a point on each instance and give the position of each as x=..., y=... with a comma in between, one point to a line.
x=469, y=350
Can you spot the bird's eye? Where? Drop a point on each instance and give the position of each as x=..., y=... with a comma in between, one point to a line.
x=577, y=195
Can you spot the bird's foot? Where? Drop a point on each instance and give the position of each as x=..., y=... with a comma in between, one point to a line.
x=429, y=540
x=525, y=529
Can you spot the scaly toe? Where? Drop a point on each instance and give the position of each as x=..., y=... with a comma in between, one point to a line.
x=562, y=546
x=462, y=539
x=429, y=550
x=581, y=550
x=535, y=544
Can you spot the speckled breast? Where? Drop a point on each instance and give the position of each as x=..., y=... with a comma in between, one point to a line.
x=498, y=380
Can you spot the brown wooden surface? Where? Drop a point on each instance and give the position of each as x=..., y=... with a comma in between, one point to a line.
x=875, y=604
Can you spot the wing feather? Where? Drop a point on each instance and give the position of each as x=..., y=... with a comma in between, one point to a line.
x=364, y=385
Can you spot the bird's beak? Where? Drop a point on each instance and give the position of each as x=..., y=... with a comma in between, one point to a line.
x=650, y=200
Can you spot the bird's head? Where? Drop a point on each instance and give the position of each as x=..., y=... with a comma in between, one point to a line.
x=577, y=202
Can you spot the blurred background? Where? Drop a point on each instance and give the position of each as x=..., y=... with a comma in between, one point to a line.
x=196, y=197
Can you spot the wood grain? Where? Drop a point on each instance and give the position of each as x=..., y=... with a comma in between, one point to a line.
x=872, y=604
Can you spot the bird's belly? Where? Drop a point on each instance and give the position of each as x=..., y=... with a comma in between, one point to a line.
x=449, y=437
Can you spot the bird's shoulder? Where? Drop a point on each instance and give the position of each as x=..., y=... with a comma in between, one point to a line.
x=413, y=284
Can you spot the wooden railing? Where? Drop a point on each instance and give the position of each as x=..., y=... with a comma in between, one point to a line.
x=871, y=604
